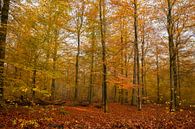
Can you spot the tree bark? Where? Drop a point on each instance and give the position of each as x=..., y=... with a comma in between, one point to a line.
x=92, y=67
x=122, y=54
x=157, y=76
x=115, y=88
x=33, y=84
x=77, y=67
x=171, y=56
x=143, y=69
x=3, y=32
x=79, y=26
x=134, y=99
x=142, y=63
x=178, y=75
x=136, y=75
x=53, y=83
x=104, y=67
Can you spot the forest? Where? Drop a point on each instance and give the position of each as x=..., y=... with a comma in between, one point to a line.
x=97, y=64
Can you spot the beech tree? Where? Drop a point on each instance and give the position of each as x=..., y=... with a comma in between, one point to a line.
x=4, y=10
x=92, y=29
x=103, y=42
x=78, y=20
x=136, y=64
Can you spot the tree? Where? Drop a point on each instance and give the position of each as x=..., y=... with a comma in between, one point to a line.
x=104, y=67
x=92, y=24
x=177, y=15
x=136, y=65
x=79, y=25
x=157, y=74
x=172, y=56
x=3, y=32
x=92, y=66
x=145, y=32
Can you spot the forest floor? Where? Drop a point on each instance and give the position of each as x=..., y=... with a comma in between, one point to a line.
x=118, y=117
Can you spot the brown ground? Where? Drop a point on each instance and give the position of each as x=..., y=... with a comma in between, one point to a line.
x=118, y=117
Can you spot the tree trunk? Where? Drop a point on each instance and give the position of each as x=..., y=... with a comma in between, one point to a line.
x=136, y=78
x=178, y=75
x=157, y=76
x=122, y=73
x=53, y=83
x=3, y=32
x=33, y=84
x=175, y=77
x=171, y=56
x=92, y=67
x=142, y=63
x=104, y=68
x=126, y=70
x=77, y=67
x=79, y=26
x=115, y=88
x=134, y=99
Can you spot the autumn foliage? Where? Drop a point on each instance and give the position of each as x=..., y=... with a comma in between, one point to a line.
x=117, y=55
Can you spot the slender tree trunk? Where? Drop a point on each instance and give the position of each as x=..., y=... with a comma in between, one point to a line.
x=134, y=95
x=92, y=67
x=139, y=99
x=33, y=84
x=91, y=80
x=79, y=27
x=177, y=67
x=171, y=56
x=143, y=72
x=122, y=73
x=145, y=83
x=126, y=70
x=142, y=63
x=66, y=84
x=77, y=67
x=45, y=79
x=178, y=75
x=134, y=98
x=3, y=32
x=175, y=78
x=53, y=83
x=104, y=68
x=115, y=88
x=157, y=76
x=136, y=58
